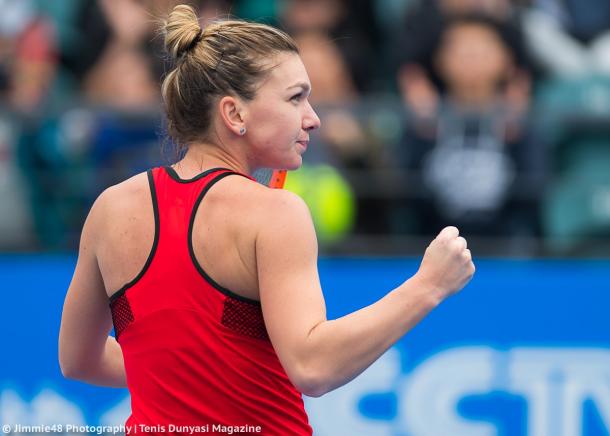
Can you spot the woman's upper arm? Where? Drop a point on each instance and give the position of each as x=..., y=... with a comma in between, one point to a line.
x=289, y=286
x=86, y=319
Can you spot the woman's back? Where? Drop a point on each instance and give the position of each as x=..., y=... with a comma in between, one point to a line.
x=194, y=350
x=223, y=232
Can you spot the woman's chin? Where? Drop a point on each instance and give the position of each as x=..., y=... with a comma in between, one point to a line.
x=292, y=163
x=295, y=164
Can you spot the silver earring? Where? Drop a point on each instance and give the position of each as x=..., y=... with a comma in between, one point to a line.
x=242, y=131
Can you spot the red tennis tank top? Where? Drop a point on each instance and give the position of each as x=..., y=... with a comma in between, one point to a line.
x=196, y=353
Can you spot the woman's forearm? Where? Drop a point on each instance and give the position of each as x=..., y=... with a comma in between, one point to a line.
x=105, y=370
x=341, y=349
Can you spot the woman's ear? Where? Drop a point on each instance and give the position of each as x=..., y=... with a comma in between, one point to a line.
x=231, y=109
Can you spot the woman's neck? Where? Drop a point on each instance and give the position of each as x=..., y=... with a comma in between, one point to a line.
x=202, y=156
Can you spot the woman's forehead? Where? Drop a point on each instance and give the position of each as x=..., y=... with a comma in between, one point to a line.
x=287, y=71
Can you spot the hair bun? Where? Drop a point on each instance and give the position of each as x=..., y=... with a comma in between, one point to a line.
x=182, y=30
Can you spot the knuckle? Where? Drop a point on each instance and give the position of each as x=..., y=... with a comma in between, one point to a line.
x=449, y=232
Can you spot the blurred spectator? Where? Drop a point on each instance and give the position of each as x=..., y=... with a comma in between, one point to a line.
x=351, y=27
x=27, y=55
x=108, y=53
x=418, y=81
x=27, y=68
x=15, y=214
x=124, y=75
x=570, y=38
x=475, y=151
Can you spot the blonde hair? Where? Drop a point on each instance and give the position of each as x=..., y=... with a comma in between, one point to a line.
x=226, y=58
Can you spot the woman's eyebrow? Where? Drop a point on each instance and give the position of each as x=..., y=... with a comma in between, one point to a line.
x=303, y=85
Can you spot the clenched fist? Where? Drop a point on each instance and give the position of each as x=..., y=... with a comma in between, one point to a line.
x=447, y=264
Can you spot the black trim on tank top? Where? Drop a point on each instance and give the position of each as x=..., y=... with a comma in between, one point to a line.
x=174, y=175
x=153, y=193
x=199, y=268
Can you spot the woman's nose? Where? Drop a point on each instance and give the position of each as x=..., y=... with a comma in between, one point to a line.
x=311, y=120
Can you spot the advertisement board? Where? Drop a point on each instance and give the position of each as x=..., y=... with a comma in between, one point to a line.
x=523, y=350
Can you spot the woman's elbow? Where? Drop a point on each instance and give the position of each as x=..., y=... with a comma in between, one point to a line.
x=314, y=391
x=311, y=382
x=69, y=368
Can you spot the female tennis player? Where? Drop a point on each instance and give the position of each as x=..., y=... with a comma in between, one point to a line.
x=210, y=278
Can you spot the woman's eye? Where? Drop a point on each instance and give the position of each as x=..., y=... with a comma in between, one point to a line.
x=297, y=97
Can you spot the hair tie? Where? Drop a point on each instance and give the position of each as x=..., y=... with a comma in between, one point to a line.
x=193, y=43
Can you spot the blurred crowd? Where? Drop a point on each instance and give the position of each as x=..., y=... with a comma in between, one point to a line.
x=492, y=115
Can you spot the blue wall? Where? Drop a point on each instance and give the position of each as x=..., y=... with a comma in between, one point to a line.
x=523, y=350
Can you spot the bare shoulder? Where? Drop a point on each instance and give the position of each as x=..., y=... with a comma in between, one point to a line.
x=286, y=207
x=126, y=192
x=118, y=200
x=268, y=206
